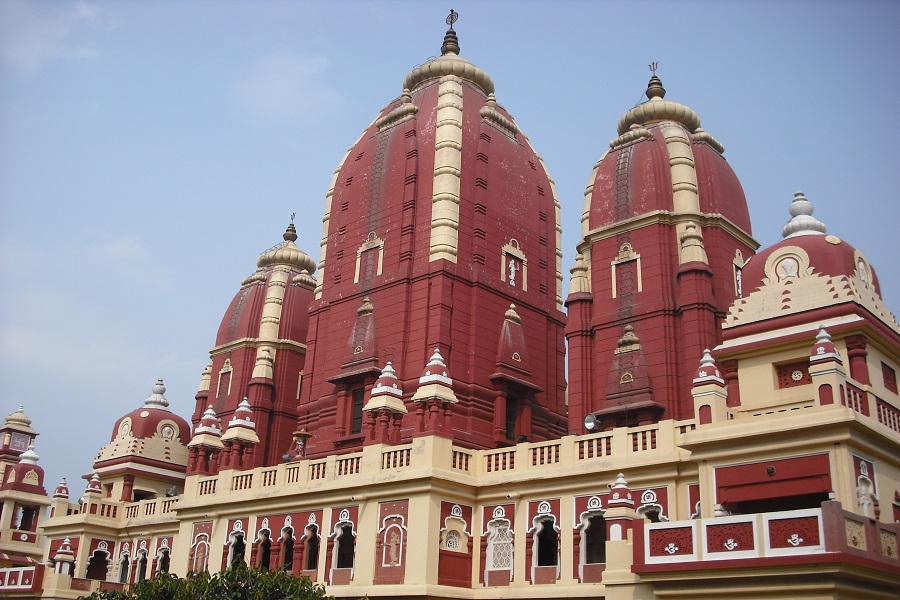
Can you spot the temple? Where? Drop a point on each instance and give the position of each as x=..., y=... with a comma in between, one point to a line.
x=422, y=412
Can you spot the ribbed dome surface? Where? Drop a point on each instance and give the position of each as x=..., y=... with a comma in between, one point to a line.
x=150, y=419
x=634, y=178
x=243, y=317
x=828, y=255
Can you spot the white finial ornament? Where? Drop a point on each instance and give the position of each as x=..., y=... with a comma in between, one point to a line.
x=156, y=399
x=29, y=457
x=802, y=222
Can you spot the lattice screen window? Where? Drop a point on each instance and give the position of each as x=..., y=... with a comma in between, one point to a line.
x=793, y=374
x=499, y=547
x=890, y=377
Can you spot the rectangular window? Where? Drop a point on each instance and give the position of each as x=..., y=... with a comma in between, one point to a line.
x=358, y=397
x=512, y=410
x=890, y=377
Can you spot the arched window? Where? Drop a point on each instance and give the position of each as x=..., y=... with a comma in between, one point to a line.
x=547, y=541
x=287, y=548
x=594, y=541
x=499, y=546
x=312, y=548
x=141, y=566
x=98, y=565
x=346, y=547
x=238, y=547
x=265, y=549
x=124, y=564
x=164, y=560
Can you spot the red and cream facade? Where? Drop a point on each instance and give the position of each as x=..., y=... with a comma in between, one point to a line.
x=395, y=421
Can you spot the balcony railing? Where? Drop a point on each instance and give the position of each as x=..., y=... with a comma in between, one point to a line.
x=659, y=439
x=830, y=530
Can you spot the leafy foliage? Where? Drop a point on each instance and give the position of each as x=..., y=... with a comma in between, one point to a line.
x=240, y=583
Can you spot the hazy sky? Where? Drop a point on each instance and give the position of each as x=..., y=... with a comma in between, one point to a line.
x=150, y=150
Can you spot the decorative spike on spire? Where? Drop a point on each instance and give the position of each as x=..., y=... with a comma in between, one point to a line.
x=802, y=222
x=824, y=349
x=708, y=372
x=290, y=234
x=451, y=42
x=655, y=87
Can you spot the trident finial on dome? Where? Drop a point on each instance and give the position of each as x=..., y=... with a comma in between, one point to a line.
x=290, y=234
x=451, y=42
x=655, y=88
x=802, y=222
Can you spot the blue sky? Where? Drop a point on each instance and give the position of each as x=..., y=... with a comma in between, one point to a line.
x=149, y=151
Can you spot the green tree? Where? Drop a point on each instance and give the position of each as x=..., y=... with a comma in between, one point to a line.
x=240, y=583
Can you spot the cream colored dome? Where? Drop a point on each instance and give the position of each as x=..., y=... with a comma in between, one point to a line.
x=657, y=109
x=287, y=253
x=449, y=63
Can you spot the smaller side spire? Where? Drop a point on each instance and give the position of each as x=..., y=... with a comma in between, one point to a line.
x=434, y=397
x=62, y=490
x=692, y=249
x=708, y=371
x=93, y=486
x=824, y=349
x=205, y=378
x=387, y=393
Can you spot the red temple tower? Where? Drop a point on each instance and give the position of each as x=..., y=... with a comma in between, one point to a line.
x=259, y=356
x=665, y=233
x=441, y=238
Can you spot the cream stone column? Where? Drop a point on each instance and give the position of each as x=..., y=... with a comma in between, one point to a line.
x=447, y=163
x=270, y=323
x=424, y=529
x=685, y=196
x=557, y=212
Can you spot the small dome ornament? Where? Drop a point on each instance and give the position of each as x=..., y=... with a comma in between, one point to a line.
x=62, y=490
x=802, y=222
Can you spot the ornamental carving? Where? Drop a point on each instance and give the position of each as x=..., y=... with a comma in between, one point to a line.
x=671, y=542
x=856, y=536
x=729, y=537
x=888, y=544
x=794, y=533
